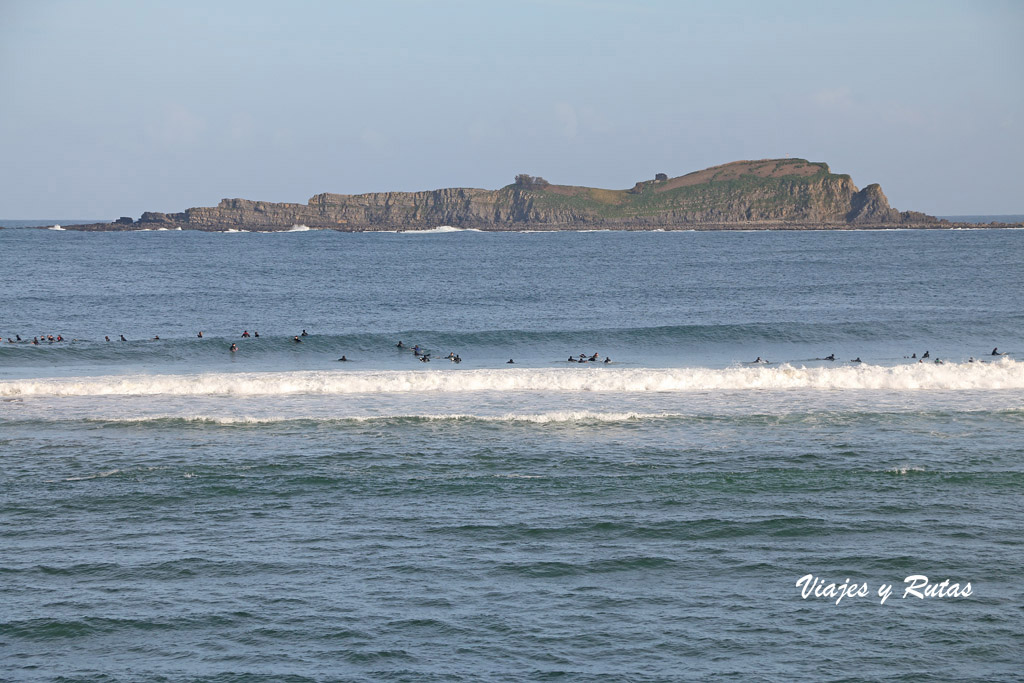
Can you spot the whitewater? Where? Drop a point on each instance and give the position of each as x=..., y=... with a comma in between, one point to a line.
x=1000, y=375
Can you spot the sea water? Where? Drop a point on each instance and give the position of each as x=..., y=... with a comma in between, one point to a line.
x=171, y=509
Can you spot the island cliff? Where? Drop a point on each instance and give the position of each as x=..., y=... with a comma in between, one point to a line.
x=743, y=195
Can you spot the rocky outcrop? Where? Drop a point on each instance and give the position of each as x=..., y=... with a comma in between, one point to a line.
x=771, y=193
x=870, y=205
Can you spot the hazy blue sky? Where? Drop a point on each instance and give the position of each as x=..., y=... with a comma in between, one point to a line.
x=111, y=108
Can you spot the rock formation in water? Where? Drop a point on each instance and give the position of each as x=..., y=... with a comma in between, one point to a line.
x=743, y=195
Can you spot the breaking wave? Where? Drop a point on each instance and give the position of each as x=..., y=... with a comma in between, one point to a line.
x=1003, y=375
x=438, y=230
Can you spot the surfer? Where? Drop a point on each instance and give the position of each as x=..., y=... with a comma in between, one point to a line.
x=245, y=334
x=926, y=354
x=914, y=355
x=233, y=348
x=571, y=359
x=304, y=334
x=200, y=335
x=857, y=360
x=831, y=356
x=457, y=359
x=156, y=338
x=594, y=357
x=400, y=345
x=107, y=338
x=510, y=362
x=256, y=334
x=296, y=340
x=343, y=359
x=607, y=359
x=416, y=350
x=424, y=359
x=122, y=338
x=995, y=352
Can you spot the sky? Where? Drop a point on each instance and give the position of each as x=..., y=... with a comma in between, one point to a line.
x=110, y=108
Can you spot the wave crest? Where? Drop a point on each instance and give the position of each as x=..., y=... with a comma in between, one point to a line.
x=1002, y=375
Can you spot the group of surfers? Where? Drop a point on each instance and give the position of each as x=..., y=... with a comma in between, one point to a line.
x=913, y=356
x=584, y=358
x=424, y=356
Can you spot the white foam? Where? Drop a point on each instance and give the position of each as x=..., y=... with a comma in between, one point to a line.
x=905, y=470
x=299, y=228
x=439, y=230
x=553, y=417
x=98, y=475
x=1002, y=375
x=55, y=227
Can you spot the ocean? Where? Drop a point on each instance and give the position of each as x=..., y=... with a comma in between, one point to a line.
x=174, y=510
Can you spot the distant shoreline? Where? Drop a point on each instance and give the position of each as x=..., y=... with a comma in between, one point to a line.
x=1000, y=220
x=71, y=226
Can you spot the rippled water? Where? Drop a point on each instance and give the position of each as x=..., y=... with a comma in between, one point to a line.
x=172, y=510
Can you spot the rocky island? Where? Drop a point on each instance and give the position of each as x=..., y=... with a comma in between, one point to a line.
x=770, y=194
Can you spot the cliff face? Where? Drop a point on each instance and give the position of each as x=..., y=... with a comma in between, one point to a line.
x=743, y=194
x=870, y=205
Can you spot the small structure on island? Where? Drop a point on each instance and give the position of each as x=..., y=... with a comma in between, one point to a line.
x=529, y=182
